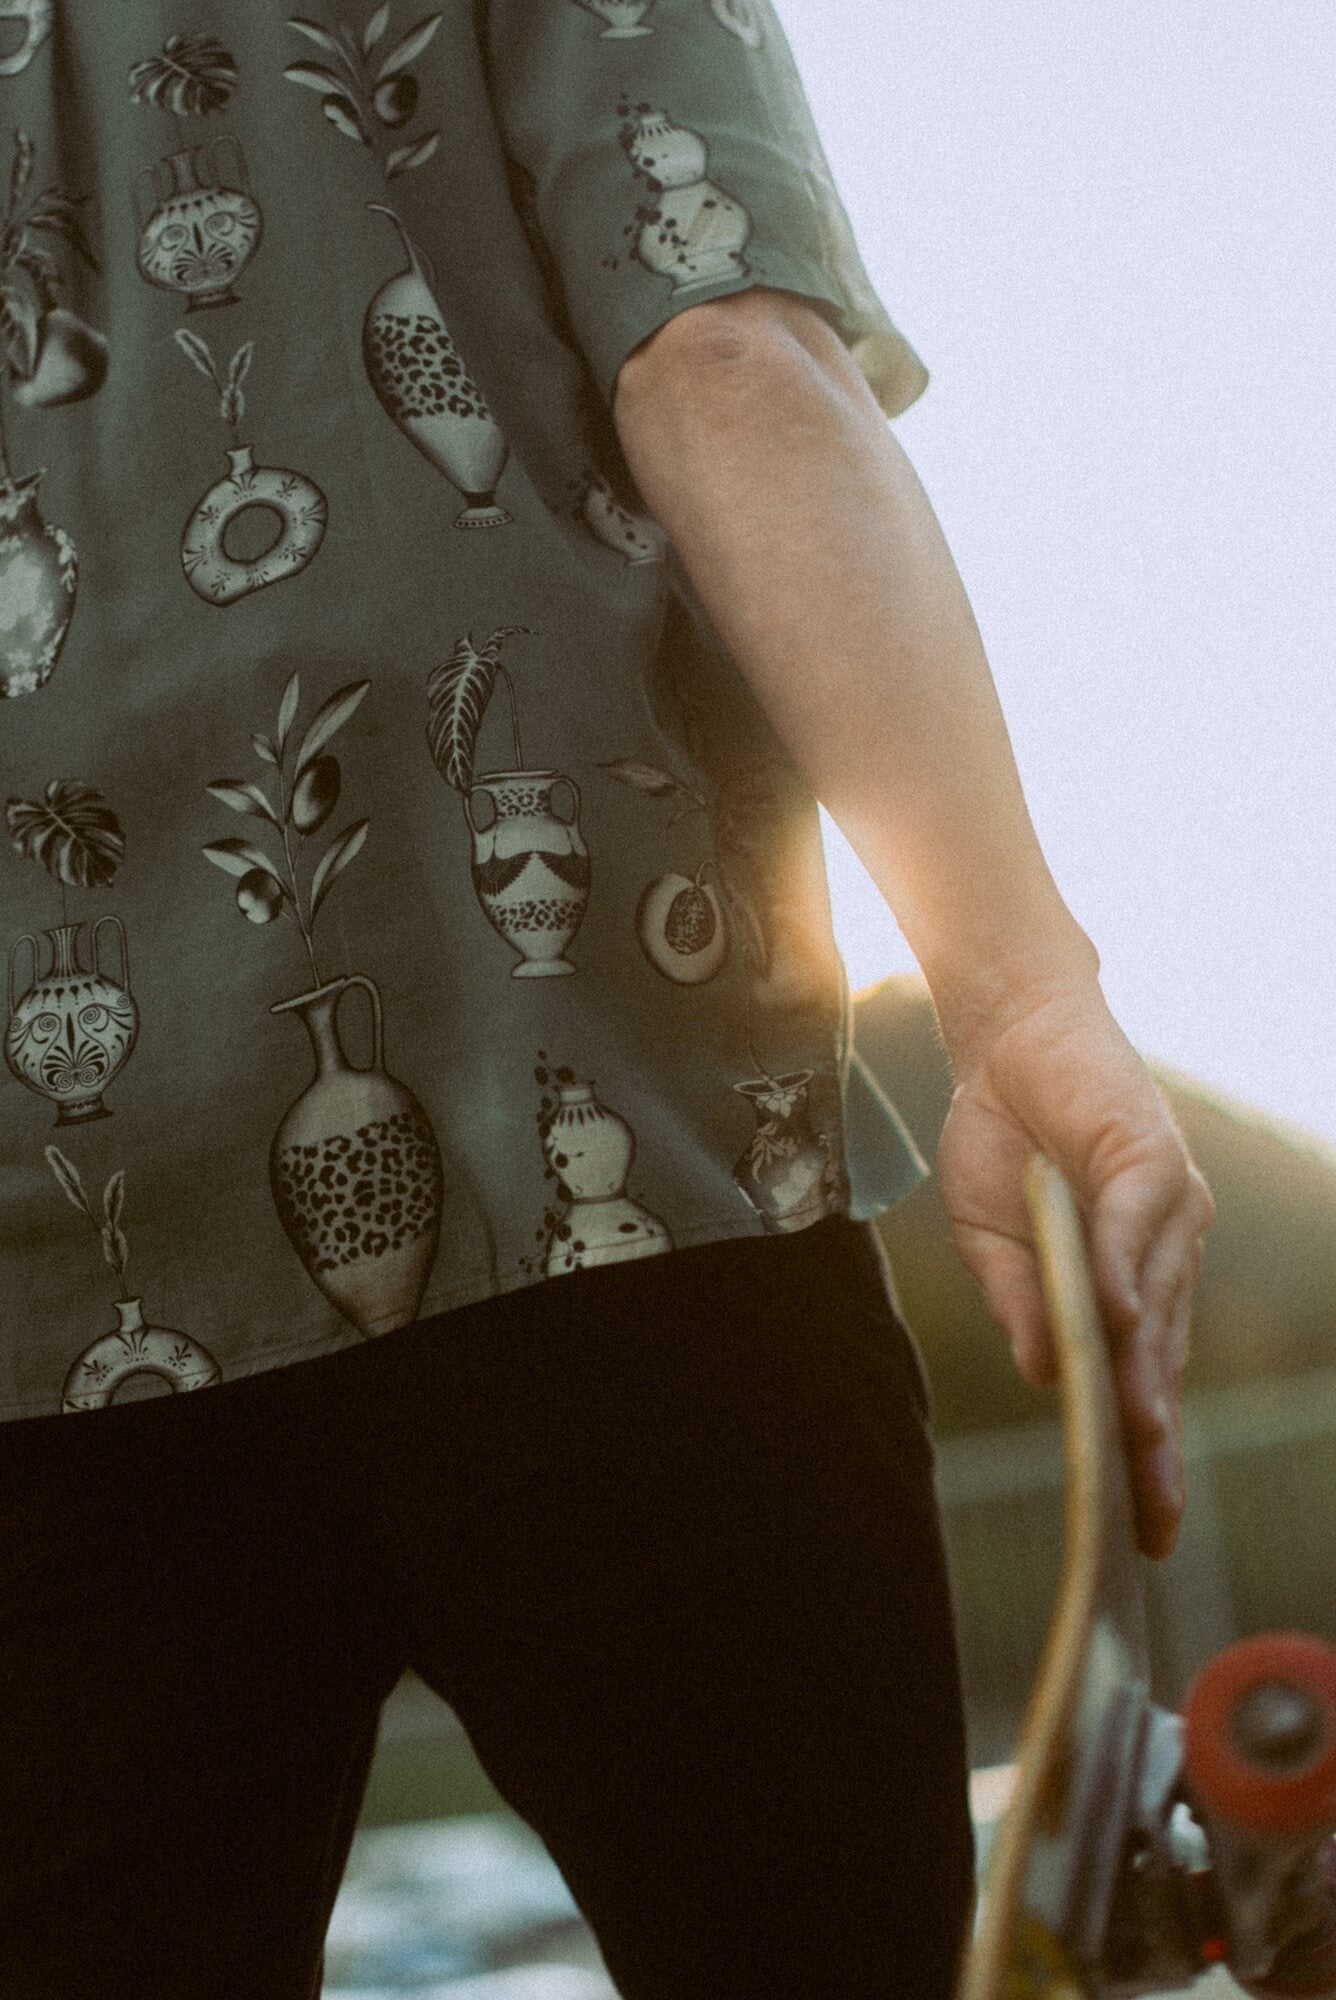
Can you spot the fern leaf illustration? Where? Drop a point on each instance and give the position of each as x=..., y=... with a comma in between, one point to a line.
x=322, y=38
x=197, y=350
x=335, y=860
x=67, y=1174
x=646, y=778
x=404, y=158
x=458, y=692
x=329, y=717
x=410, y=48
x=114, y=1246
x=287, y=712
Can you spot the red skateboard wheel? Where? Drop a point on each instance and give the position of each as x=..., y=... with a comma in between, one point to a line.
x=1260, y=1735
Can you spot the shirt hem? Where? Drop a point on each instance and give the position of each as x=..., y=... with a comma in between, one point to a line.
x=440, y=1299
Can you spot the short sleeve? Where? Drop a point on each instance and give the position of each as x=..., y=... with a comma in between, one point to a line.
x=667, y=154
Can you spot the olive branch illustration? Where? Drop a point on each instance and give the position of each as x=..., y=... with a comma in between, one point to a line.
x=114, y=1246
x=365, y=98
x=48, y=355
x=264, y=890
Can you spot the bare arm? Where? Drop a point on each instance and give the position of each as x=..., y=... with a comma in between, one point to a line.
x=797, y=516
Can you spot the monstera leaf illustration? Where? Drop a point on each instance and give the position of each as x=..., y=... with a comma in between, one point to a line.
x=458, y=692
x=193, y=76
x=73, y=833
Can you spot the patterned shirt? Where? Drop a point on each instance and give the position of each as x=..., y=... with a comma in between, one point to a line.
x=404, y=897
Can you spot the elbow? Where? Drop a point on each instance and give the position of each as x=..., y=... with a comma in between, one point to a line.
x=724, y=351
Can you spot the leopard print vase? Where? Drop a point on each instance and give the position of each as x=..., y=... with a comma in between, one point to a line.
x=356, y=1173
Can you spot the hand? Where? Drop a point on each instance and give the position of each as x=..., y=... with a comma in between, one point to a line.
x=1060, y=1077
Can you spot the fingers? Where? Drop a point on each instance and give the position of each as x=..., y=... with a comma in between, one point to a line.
x=1007, y=1273
x=1150, y=1356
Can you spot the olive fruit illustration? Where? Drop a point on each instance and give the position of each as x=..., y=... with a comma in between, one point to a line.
x=259, y=896
x=71, y=362
x=315, y=794
x=680, y=926
x=396, y=99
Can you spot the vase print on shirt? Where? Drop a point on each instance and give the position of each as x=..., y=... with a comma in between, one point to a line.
x=34, y=18
x=588, y=1150
x=690, y=231
x=530, y=864
x=741, y=17
x=789, y=1171
x=411, y=360
x=133, y=1347
x=422, y=384
x=215, y=572
x=72, y=1032
x=49, y=357
x=354, y=1167
x=199, y=224
x=621, y=18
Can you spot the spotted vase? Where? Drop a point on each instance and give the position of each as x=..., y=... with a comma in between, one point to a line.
x=356, y=1172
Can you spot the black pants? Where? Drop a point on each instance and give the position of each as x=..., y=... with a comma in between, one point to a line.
x=664, y=1535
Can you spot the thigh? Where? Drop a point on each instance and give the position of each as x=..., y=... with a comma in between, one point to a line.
x=191, y=1657
x=693, y=1611
x=228, y=1896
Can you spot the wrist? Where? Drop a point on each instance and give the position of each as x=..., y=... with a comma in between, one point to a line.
x=978, y=996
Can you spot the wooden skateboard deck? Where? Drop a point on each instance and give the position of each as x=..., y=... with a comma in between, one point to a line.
x=1051, y=1874
x=1251, y=1879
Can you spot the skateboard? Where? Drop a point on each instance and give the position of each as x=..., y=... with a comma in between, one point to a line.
x=1142, y=1847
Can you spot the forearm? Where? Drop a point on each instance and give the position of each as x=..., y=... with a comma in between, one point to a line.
x=814, y=551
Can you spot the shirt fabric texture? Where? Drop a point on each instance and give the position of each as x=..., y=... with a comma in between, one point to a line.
x=405, y=898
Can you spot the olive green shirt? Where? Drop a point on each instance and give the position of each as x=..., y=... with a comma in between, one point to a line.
x=404, y=898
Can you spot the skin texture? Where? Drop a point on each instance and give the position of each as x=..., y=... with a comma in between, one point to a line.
x=760, y=451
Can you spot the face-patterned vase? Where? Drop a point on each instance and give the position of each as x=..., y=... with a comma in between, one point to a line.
x=39, y=573
x=198, y=224
x=73, y=1030
x=786, y=1173
x=356, y=1173
x=590, y=1149
x=530, y=864
x=135, y=1348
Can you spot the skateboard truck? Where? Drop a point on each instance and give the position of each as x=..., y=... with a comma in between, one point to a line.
x=1140, y=1847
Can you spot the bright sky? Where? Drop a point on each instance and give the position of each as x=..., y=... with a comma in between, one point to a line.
x=1108, y=232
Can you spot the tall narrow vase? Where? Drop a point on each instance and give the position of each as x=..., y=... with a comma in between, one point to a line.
x=356, y=1172
x=422, y=384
